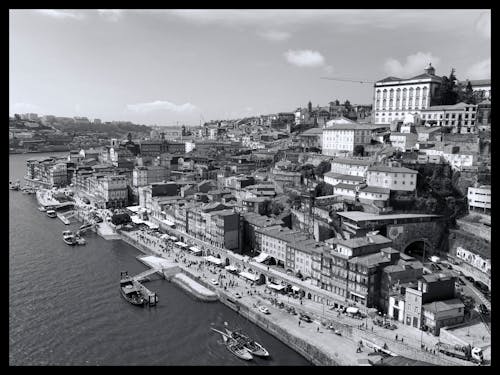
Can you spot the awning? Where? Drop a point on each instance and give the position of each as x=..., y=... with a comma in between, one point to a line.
x=195, y=250
x=231, y=268
x=352, y=310
x=136, y=219
x=261, y=257
x=164, y=237
x=276, y=286
x=168, y=222
x=295, y=288
x=359, y=295
x=151, y=225
x=134, y=208
x=213, y=260
x=173, y=238
x=249, y=276
x=181, y=244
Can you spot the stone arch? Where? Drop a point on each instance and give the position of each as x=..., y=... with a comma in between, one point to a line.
x=309, y=296
x=415, y=247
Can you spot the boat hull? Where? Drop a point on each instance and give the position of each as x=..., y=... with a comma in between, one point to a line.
x=133, y=301
x=238, y=352
x=252, y=346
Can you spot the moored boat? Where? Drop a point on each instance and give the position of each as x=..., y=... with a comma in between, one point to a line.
x=130, y=292
x=14, y=185
x=237, y=348
x=251, y=345
x=69, y=238
x=51, y=213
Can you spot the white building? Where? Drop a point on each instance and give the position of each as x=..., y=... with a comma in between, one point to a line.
x=461, y=117
x=346, y=191
x=373, y=193
x=343, y=138
x=481, y=87
x=479, y=198
x=352, y=167
x=460, y=160
x=403, y=141
x=394, y=98
x=332, y=178
x=393, y=178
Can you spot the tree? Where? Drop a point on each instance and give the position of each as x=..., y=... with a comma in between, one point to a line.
x=322, y=168
x=119, y=219
x=323, y=189
x=359, y=150
x=467, y=95
x=449, y=92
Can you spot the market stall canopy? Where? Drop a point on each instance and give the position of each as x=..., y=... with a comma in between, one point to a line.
x=136, y=220
x=134, y=208
x=249, y=276
x=262, y=257
x=151, y=224
x=213, y=259
x=295, y=288
x=276, y=286
x=181, y=244
x=352, y=310
x=168, y=222
x=165, y=237
x=195, y=250
x=231, y=268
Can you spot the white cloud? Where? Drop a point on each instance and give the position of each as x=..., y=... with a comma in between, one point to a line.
x=160, y=105
x=304, y=58
x=414, y=64
x=480, y=70
x=20, y=107
x=274, y=35
x=483, y=24
x=329, y=69
x=112, y=15
x=60, y=13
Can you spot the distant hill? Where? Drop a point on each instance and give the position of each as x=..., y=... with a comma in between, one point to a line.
x=117, y=130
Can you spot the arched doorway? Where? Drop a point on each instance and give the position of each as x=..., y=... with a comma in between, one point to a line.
x=309, y=296
x=418, y=249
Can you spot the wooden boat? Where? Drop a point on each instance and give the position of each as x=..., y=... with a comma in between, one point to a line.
x=130, y=292
x=237, y=348
x=51, y=213
x=69, y=238
x=252, y=346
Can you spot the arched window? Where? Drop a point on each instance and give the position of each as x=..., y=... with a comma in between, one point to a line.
x=404, y=93
x=384, y=94
x=411, y=93
x=417, y=93
x=398, y=94
x=378, y=94
x=391, y=93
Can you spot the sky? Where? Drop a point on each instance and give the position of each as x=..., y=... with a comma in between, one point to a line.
x=168, y=67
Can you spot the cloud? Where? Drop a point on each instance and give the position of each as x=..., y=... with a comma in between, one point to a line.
x=483, y=24
x=274, y=35
x=112, y=15
x=20, y=107
x=160, y=105
x=480, y=70
x=329, y=69
x=414, y=64
x=305, y=58
x=60, y=13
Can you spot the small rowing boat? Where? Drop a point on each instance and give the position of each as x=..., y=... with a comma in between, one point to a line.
x=251, y=345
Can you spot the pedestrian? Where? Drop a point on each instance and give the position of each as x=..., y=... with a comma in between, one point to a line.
x=317, y=329
x=401, y=339
x=396, y=337
x=299, y=323
x=372, y=328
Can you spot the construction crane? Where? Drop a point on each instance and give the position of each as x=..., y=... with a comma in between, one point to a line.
x=346, y=80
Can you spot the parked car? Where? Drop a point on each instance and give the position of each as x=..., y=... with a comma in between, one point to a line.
x=483, y=309
x=237, y=295
x=460, y=281
x=305, y=318
x=469, y=278
x=215, y=282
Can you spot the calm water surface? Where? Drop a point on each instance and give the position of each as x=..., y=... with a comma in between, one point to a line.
x=65, y=307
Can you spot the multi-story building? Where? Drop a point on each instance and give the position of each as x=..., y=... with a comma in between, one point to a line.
x=224, y=230
x=393, y=178
x=344, y=138
x=299, y=255
x=480, y=87
x=333, y=179
x=403, y=141
x=47, y=172
x=284, y=179
x=273, y=241
x=430, y=288
x=461, y=117
x=352, y=167
x=394, y=98
x=479, y=198
x=253, y=221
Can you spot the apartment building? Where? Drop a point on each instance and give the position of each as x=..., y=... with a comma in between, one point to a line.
x=343, y=138
x=479, y=198
x=393, y=178
x=461, y=117
x=273, y=241
x=351, y=167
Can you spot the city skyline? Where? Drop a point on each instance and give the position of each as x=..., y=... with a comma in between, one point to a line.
x=167, y=66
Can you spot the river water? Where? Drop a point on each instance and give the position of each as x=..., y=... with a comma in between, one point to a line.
x=65, y=307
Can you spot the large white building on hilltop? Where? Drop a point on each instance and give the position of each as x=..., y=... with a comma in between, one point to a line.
x=394, y=98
